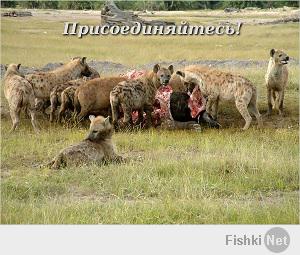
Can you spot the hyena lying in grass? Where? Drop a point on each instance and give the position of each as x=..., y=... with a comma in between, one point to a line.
x=19, y=94
x=138, y=95
x=217, y=85
x=97, y=148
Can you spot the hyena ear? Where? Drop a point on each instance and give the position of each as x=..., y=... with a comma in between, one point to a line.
x=107, y=121
x=18, y=66
x=83, y=61
x=5, y=66
x=91, y=117
x=156, y=68
x=272, y=52
x=180, y=73
x=171, y=69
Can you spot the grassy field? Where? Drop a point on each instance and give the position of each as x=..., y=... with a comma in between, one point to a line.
x=213, y=176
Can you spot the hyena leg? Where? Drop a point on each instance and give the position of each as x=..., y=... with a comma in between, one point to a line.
x=53, y=106
x=141, y=116
x=114, y=103
x=148, y=120
x=252, y=107
x=33, y=120
x=269, y=96
x=214, y=109
x=241, y=105
x=127, y=119
x=15, y=117
x=280, y=101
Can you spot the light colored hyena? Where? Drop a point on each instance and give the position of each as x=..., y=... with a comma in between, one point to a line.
x=217, y=85
x=19, y=94
x=44, y=82
x=97, y=148
x=276, y=79
x=67, y=101
x=138, y=95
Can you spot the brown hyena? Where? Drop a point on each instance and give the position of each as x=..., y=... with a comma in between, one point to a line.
x=97, y=148
x=276, y=79
x=55, y=95
x=19, y=94
x=138, y=95
x=217, y=85
x=44, y=82
x=93, y=96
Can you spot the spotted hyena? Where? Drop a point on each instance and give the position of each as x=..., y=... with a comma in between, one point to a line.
x=138, y=94
x=44, y=82
x=97, y=148
x=56, y=93
x=19, y=94
x=67, y=101
x=217, y=85
x=276, y=79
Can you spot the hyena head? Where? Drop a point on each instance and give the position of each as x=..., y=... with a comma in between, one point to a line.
x=163, y=74
x=13, y=69
x=84, y=68
x=94, y=74
x=189, y=81
x=279, y=57
x=100, y=128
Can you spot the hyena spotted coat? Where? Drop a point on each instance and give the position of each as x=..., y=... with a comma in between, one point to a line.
x=44, y=82
x=218, y=85
x=276, y=79
x=138, y=95
x=19, y=94
x=97, y=148
x=56, y=93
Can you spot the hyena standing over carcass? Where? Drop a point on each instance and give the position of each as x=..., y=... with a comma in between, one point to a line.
x=218, y=85
x=138, y=95
x=44, y=82
x=19, y=94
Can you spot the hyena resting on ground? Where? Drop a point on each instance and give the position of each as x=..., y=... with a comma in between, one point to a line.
x=97, y=148
x=138, y=95
x=19, y=94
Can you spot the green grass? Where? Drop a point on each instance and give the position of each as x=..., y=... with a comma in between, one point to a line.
x=181, y=177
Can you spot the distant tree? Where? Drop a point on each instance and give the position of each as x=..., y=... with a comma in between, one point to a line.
x=8, y=4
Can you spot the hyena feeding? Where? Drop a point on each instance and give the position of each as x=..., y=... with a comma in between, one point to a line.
x=138, y=95
x=19, y=94
x=217, y=85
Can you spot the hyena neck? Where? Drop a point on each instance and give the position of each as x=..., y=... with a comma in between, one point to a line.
x=151, y=83
x=10, y=74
